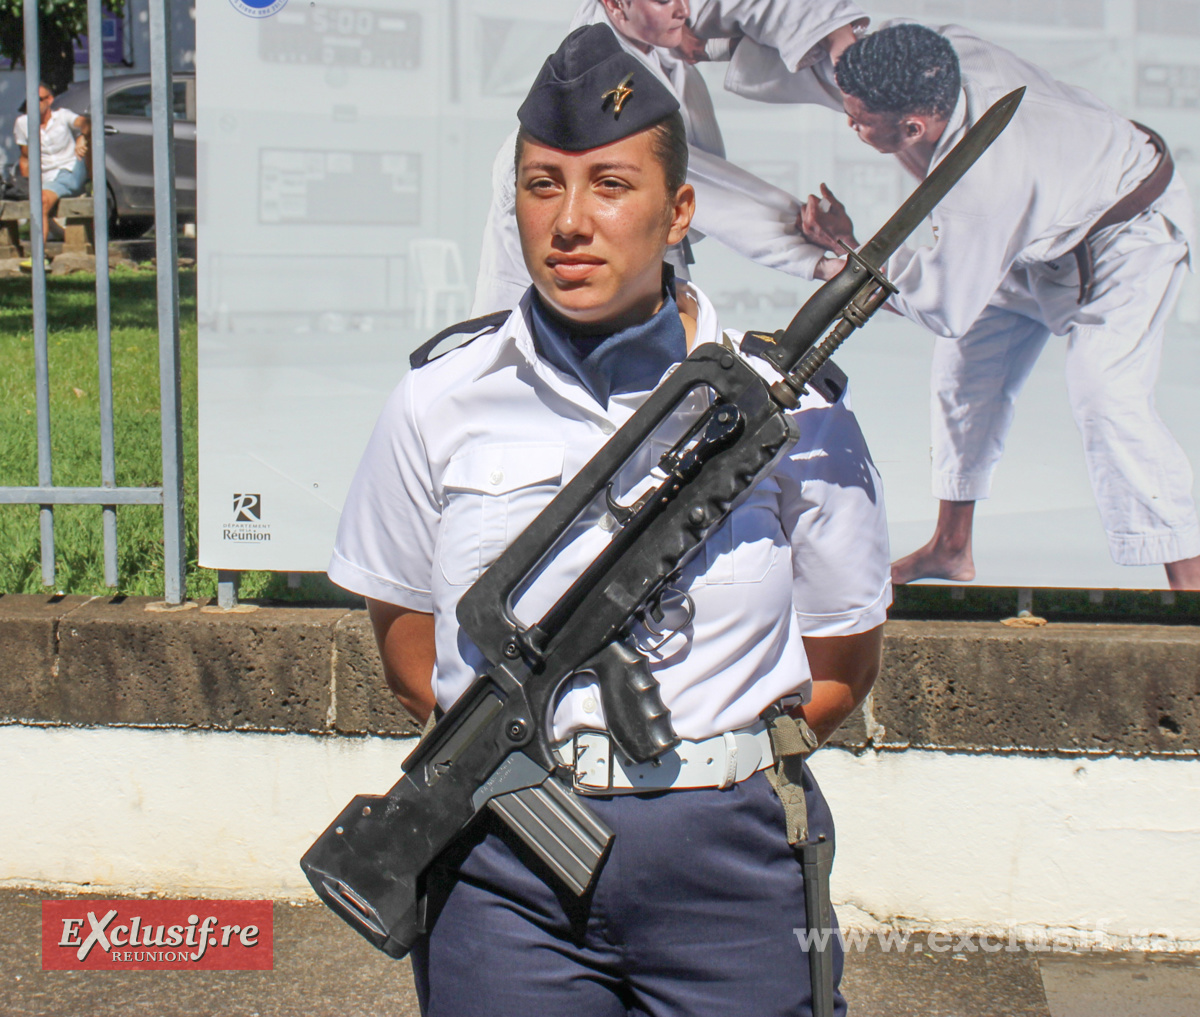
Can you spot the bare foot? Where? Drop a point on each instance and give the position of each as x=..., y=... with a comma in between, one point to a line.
x=1184, y=575
x=934, y=561
x=948, y=553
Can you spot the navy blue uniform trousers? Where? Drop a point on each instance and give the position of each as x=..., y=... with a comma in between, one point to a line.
x=694, y=914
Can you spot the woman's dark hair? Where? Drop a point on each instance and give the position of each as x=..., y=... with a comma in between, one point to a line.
x=902, y=69
x=669, y=138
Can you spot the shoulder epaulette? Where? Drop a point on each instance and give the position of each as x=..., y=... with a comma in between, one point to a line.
x=480, y=326
x=829, y=382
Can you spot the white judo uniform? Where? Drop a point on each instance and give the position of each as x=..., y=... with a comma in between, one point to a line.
x=773, y=46
x=746, y=214
x=1000, y=279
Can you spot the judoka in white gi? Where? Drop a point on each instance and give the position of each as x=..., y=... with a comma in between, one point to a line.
x=779, y=51
x=1001, y=278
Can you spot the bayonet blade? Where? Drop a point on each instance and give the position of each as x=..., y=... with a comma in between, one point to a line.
x=941, y=178
x=788, y=348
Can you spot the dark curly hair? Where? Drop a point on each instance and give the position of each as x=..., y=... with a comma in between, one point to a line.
x=902, y=69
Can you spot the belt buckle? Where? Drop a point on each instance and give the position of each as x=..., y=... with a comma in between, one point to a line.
x=587, y=742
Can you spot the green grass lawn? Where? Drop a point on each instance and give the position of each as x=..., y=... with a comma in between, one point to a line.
x=75, y=439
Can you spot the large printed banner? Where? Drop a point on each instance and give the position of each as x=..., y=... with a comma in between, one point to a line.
x=345, y=153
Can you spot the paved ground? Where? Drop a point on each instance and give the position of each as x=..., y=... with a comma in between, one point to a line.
x=1123, y=985
x=323, y=970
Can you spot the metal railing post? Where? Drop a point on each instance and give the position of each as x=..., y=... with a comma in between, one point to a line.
x=108, y=474
x=166, y=253
x=227, y=588
x=37, y=245
x=108, y=495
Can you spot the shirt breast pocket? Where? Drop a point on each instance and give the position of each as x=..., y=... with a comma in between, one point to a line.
x=492, y=493
x=745, y=548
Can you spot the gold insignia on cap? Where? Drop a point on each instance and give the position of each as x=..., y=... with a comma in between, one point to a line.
x=618, y=95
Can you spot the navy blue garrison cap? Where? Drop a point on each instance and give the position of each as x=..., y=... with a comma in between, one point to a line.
x=591, y=92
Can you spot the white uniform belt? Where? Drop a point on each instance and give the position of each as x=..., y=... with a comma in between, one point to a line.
x=601, y=769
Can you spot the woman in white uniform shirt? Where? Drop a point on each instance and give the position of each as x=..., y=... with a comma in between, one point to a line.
x=694, y=910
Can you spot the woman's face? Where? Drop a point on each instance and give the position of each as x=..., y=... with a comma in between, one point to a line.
x=652, y=22
x=594, y=226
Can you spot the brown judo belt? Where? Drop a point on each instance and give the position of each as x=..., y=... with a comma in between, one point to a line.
x=1133, y=204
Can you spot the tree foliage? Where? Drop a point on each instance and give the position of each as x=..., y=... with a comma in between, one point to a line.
x=60, y=23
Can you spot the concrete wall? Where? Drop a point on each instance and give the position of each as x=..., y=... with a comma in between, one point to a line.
x=1000, y=779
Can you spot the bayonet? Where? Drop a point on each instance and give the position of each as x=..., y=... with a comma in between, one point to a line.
x=861, y=288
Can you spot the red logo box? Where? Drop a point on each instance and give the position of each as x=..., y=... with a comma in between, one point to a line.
x=201, y=935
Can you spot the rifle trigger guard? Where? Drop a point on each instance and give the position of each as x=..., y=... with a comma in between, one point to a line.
x=656, y=614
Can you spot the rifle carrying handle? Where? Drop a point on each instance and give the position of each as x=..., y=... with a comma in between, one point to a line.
x=637, y=719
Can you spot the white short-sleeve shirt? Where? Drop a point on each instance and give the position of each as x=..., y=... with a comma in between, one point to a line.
x=472, y=446
x=58, y=141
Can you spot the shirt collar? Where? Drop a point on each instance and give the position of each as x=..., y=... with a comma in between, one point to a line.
x=515, y=341
x=631, y=359
x=515, y=345
x=956, y=126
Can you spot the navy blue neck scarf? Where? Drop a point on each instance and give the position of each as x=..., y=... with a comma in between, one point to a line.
x=631, y=360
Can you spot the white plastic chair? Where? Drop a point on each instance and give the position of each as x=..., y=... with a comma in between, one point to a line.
x=438, y=273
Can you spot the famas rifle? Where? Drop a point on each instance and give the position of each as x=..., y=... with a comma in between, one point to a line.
x=492, y=748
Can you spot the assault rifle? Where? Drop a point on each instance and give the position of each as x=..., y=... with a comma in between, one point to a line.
x=492, y=748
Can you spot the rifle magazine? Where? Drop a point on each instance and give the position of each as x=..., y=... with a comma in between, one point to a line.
x=561, y=830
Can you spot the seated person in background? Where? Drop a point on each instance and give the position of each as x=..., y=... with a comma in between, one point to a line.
x=64, y=174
